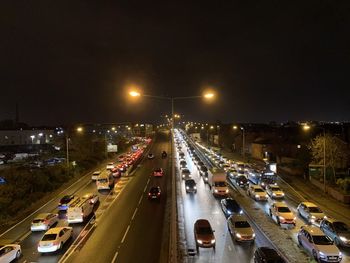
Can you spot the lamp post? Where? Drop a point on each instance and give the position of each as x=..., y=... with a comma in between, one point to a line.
x=235, y=127
x=306, y=128
x=173, y=234
x=79, y=130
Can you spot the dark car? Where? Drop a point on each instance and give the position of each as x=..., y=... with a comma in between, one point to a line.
x=150, y=156
x=154, y=193
x=267, y=255
x=190, y=186
x=64, y=202
x=230, y=206
x=164, y=154
x=203, y=170
x=337, y=230
x=242, y=181
x=203, y=234
x=200, y=163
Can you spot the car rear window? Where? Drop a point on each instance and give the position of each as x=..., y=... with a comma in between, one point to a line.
x=283, y=209
x=35, y=221
x=204, y=230
x=242, y=224
x=314, y=209
x=49, y=237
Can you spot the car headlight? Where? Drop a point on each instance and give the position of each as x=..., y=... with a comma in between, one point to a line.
x=229, y=212
x=340, y=255
x=313, y=217
x=266, y=196
x=295, y=218
x=241, y=212
x=187, y=188
x=200, y=241
x=257, y=196
x=262, y=183
x=215, y=190
x=253, y=234
x=238, y=235
x=226, y=191
x=213, y=241
x=282, y=194
x=194, y=187
x=322, y=255
x=344, y=239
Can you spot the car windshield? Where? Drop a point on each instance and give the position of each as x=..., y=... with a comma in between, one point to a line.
x=275, y=189
x=341, y=227
x=35, y=221
x=158, y=170
x=65, y=199
x=190, y=182
x=314, y=209
x=242, y=224
x=220, y=184
x=283, y=209
x=322, y=240
x=185, y=171
x=258, y=190
x=204, y=169
x=204, y=230
x=49, y=237
x=102, y=180
x=241, y=172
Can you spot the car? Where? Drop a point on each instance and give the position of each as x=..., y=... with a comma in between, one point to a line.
x=185, y=173
x=226, y=166
x=266, y=255
x=43, y=222
x=183, y=164
x=311, y=213
x=274, y=191
x=203, y=234
x=232, y=172
x=54, y=239
x=200, y=163
x=190, y=186
x=64, y=202
x=320, y=246
x=94, y=199
x=150, y=156
x=257, y=193
x=95, y=175
x=154, y=193
x=230, y=206
x=281, y=213
x=121, y=158
x=242, y=181
x=203, y=170
x=158, y=172
x=10, y=253
x=181, y=156
x=337, y=230
x=240, y=229
x=164, y=154
x=110, y=166
x=116, y=173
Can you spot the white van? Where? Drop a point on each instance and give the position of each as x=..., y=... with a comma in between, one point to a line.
x=80, y=210
x=105, y=182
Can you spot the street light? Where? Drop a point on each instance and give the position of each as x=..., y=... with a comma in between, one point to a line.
x=306, y=128
x=235, y=127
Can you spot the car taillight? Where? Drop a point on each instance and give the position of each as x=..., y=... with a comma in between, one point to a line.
x=158, y=193
x=149, y=193
x=82, y=214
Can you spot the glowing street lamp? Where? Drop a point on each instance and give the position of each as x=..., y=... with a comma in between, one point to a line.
x=79, y=129
x=208, y=95
x=134, y=93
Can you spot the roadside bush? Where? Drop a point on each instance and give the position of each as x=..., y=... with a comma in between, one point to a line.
x=344, y=185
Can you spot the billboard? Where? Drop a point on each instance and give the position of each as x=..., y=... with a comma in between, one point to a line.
x=112, y=148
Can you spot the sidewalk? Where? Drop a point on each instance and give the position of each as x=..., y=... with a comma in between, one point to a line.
x=310, y=192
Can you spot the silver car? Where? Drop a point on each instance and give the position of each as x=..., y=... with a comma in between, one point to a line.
x=43, y=222
x=240, y=229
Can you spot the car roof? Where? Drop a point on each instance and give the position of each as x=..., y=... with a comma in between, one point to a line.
x=269, y=252
x=280, y=204
x=235, y=218
x=55, y=230
x=42, y=216
x=202, y=223
x=256, y=186
x=332, y=220
x=309, y=204
x=313, y=230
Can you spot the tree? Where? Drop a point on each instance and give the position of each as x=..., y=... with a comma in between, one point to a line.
x=336, y=152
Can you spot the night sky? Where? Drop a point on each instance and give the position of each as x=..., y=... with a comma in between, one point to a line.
x=70, y=61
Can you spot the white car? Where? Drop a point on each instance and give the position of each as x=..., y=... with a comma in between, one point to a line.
x=319, y=245
x=43, y=221
x=257, y=193
x=311, y=212
x=240, y=229
x=281, y=213
x=274, y=191
x=96, y=174
x=10, y=252
x=110, y=166
x=54, y=239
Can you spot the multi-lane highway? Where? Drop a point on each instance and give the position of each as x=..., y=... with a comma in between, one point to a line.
x=132, y=229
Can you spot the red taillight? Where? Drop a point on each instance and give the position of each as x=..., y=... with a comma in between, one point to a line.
x=158, y=193
x=149, y=193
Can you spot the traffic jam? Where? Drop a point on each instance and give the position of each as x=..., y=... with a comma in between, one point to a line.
x=57, y=227
x=315, y=233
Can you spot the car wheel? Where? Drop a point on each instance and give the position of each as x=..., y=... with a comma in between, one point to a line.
x=61, y=245
x=314, y=254
x=197, y=247
x=18, y=254
x=278, y=221
x=270, y=213
x=214, y=247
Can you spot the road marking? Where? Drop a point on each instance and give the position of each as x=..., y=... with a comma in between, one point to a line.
x=126, y=232
x=115, y=257
x=229, y=248
x=144, y=189
x=140, y=200
x=132, y=218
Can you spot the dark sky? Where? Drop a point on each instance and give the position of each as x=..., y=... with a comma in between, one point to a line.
x=69, y=61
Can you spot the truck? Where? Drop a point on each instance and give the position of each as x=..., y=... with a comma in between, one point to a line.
x=79, y=210
x=105, y=182
x=217, y=182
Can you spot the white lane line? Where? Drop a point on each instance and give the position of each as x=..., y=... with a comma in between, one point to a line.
x=144, y=189
x=133, y=216
x=126, y=232
x=20, y=222
x=140, y=200
x=115, y=257
x=229, y=248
